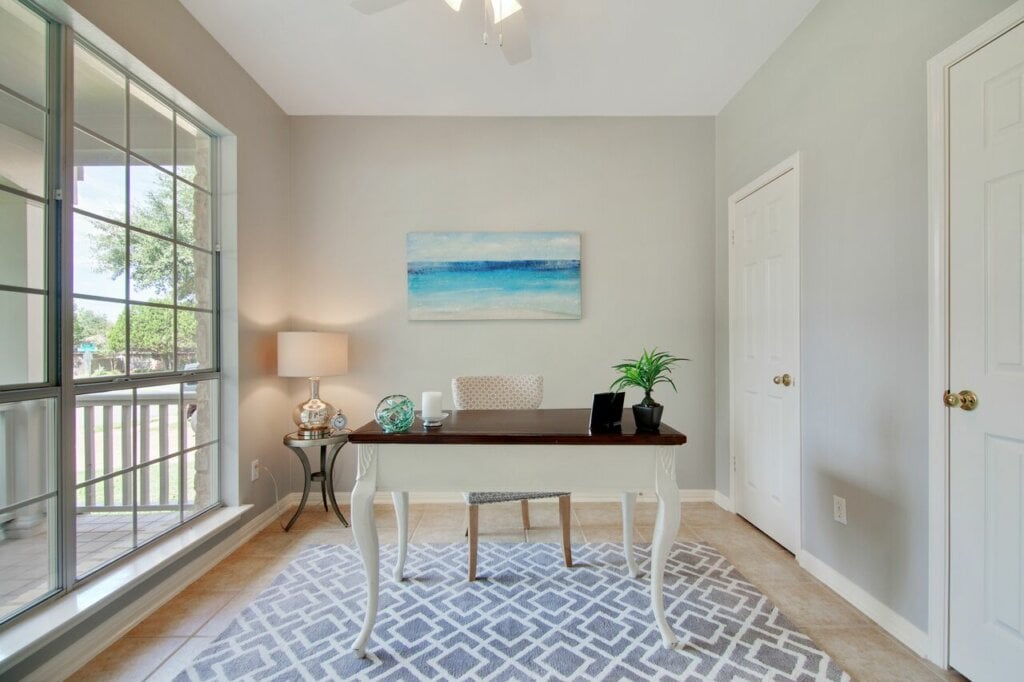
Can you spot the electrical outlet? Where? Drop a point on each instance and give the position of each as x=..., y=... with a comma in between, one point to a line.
x=255, y=470
x=839, y=509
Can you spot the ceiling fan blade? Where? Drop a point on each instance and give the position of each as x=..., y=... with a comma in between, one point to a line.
x=515, y=39
x=374, y=6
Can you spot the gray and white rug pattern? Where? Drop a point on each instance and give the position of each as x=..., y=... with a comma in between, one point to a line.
x=527, y=617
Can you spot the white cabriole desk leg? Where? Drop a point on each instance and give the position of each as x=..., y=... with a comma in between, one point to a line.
x=628, y=507
x=364, y=527
x=665, y=528
x=401, y=502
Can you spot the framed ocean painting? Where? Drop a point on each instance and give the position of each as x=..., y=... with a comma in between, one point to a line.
x=493, y=275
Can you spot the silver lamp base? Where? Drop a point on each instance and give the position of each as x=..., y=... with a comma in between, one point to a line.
x=313, y=416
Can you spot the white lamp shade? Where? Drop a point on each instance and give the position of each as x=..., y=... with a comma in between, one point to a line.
x=312, y=354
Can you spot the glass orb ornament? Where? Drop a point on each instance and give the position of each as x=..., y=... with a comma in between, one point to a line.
x=395, y=414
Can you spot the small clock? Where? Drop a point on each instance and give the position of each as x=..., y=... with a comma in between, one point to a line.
x=339, y=421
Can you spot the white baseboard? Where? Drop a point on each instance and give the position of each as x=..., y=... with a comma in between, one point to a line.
x=110, y=631
x=723, y=501
x=696, y=495
x=892, y=622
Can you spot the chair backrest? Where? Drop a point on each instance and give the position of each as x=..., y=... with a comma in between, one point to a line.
x=520, y=392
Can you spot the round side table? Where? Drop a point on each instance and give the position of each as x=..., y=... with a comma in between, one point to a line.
x=326, y=474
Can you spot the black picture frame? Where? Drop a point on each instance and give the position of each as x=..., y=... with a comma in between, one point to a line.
x=606, y=412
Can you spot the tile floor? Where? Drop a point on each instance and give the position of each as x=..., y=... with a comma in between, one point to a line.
x=165, y=642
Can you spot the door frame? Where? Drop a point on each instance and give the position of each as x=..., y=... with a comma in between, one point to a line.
x=938, y=318
x=789, y=165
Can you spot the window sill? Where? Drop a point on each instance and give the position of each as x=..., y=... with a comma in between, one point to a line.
x=48, y=621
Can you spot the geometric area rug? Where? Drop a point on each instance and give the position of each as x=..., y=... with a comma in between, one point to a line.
x=527, y=617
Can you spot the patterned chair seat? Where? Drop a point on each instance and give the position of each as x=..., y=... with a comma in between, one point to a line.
x=489, y=498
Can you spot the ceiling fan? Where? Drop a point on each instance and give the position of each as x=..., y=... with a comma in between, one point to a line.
x=504, y=24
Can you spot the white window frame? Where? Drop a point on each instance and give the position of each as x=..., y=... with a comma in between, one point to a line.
x=73, y=575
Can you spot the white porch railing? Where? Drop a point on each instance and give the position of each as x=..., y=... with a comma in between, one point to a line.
x=103, y=445
x=105, y=414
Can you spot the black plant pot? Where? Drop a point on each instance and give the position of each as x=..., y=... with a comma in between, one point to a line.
x=647, y=418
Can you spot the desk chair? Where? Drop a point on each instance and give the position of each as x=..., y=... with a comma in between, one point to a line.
x=505, y=393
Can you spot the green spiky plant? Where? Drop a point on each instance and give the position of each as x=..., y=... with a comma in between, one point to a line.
x=646, y=372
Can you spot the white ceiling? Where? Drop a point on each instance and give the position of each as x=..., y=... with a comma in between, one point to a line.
x=590, y=57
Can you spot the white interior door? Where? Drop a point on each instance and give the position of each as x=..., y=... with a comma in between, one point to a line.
x=764, y=330
x=986, y=346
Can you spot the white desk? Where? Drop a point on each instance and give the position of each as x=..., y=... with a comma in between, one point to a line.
x=500, y=451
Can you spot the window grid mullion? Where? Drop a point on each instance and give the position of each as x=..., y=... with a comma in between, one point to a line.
x=194, y=186
x=24, y=290
x=137, y=302
x=128, y=234
x=105, y=384
x=147, y=162
x=22, y=193
x=23, y=99
x=174, y=234
x=64, y=151
x=106, y=476
x=100, y=136
x=135, y=468
x=95, y=216
x=17, y=395
x=159, y=458
x=182, y=425
x=35, y=499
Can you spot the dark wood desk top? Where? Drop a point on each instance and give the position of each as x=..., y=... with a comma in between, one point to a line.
x=519, y=427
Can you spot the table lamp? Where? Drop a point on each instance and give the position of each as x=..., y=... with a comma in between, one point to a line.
x=312, y=355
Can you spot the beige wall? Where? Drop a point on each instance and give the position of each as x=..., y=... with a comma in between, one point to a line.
x=847, y=91
x=164, y=37
x=640, y=191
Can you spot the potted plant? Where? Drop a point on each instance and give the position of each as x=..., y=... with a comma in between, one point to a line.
x=651, y=369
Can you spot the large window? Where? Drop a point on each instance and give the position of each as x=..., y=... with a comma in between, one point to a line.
x=29, y=396
x=134, y=364
x=143, y=238
x=144, y=294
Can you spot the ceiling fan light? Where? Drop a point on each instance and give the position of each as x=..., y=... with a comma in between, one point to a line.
x=456, y=5
x=503, y=9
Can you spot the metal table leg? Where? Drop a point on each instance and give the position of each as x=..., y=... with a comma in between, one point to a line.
x=307, y=479
x=323, y=475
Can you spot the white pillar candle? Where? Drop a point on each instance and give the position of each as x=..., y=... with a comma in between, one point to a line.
x=431, y=404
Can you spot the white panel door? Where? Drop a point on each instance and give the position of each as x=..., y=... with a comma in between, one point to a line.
x=765, y=332
x=986, y=346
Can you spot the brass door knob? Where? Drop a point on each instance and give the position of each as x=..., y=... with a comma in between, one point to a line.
x=965, y=400
x=784, y=379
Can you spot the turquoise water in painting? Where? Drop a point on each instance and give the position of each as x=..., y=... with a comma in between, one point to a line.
x=484, y=289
